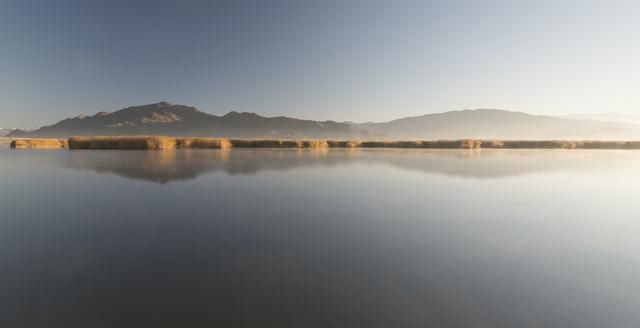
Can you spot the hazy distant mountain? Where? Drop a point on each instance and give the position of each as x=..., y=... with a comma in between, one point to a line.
x=605, y=117
x=4, y=132
x=178, y=120
x=499, y=124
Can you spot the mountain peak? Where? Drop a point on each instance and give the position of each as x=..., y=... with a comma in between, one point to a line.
x=163, y=104
x=233, y=114
x=488, y=110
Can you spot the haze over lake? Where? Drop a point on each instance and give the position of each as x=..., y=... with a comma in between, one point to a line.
x=320, y=238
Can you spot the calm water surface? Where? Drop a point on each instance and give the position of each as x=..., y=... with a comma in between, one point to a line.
x=340, y=238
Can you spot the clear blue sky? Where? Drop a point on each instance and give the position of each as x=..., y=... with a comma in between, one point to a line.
x=327, y=59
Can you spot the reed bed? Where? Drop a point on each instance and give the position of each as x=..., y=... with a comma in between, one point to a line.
x=202, y=143
x=562, y=144
x=266, y=143
x=344, y=144
x=133, y=143
x=164, y=143
x=51, y=144
x=313, y=144
x=248, y=143
x=443, y=144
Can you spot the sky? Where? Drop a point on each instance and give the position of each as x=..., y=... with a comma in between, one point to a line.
x=358, y=60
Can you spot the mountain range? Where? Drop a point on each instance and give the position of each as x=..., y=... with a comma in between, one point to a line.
x=6, y=131
x=178, y=120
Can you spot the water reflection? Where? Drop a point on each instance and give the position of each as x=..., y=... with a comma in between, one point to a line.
x=341, y=239
x=170, y=166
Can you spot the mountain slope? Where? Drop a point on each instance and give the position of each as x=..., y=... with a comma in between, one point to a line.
x=4, y=131
x=177, y=120
x=498, y=124
x=605, y=117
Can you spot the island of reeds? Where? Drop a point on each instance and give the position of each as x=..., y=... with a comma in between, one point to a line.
x=167, y=143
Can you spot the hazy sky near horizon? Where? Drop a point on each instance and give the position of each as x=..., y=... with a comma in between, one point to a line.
x=361, y=60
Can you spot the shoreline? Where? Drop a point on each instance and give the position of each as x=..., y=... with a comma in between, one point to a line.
x=168, y=143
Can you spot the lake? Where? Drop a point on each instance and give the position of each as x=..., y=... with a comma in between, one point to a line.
x=320, y=238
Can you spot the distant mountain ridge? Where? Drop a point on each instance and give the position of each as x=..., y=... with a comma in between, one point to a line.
x=178, y=120
x=4, y=132
x=499, y=124
x=164, y=118
x=605, y=117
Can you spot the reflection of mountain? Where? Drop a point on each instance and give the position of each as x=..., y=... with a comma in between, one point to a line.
x=157, y=166
x=169, y=166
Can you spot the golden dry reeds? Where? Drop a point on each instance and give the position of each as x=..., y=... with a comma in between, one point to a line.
x=271, y=143
x=164, y=143
x=313, y=144
x=202, y=143
x=391, y=144
x=53, y=144
x=343, y=144
x=123, y=143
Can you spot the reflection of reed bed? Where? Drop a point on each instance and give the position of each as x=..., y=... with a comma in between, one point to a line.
x=39, y=144
x=163, y=143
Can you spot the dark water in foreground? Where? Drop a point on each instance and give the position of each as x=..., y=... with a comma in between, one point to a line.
x=287, y=238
